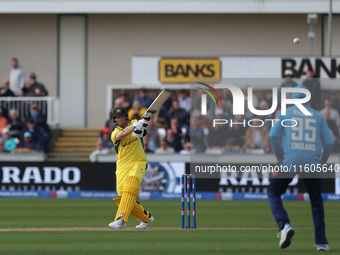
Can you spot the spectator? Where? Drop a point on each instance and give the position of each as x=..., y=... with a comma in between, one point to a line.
x=5, y=90
x=14, y=123
x=217, y=137
x=264, y=106
x=334, y=115
x=136, y=111
x=220, y=113
x=334, y=131
x=37, y=137
x=99, y=150
x=174, y=125
x=106, y=138
x=153, y=136
x=164, y=148
x=173, y=140
x=333, y=97
x=118, y=102
x=268, y=98
x=10, y=143
x=41, y=122
x=2, y=144
x=313, y=85
x=196, y=135
x=125, y=102
x=257, y=137
x=247, y=113
x=227, y=100
x=197, y=104
x=179, y=113
x=237, y=135
x=167, y=104
x=184, y=100
x=33, y=88
x=27, y=141
x=3, y=121
x=16, y=77
x=143, y=98
x=161, y=118
x=146, y=144
x=331, y=124
x=186, y=148
x=255, y=99
x=287, y=83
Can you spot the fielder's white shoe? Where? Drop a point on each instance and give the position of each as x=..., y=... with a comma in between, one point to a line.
x=322, y=247
x=285, y=236
x=144, y=225
x=118, y=224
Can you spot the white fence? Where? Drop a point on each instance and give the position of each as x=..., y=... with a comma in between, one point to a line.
x=49, y=106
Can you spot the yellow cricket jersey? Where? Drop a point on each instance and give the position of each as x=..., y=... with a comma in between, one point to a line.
x=129, y=149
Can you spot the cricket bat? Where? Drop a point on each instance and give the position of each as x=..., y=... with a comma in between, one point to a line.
x=156, y=104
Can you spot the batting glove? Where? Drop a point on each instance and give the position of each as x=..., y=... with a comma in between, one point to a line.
x=145, y=123
x=148, y=115
x=138, y=125
x=139, y=132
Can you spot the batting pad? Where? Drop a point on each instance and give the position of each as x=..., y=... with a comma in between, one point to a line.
x=131, y=188
x=138, y=210
x=139, y=213
x=117, y=200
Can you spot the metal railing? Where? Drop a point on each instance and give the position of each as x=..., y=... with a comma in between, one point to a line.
x=49, y=106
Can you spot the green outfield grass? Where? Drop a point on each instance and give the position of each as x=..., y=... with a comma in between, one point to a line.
x=224, y=227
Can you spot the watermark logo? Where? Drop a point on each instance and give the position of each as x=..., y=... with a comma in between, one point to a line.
x=239, y=99
x=239, y=105
x=204, y=97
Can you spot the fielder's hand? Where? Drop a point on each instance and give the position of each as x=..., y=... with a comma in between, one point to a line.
x=148, y=115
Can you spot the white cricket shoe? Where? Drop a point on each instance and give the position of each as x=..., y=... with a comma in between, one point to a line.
x=118, y=224
x=144, y=225
x=322, y=247
x=285, y=236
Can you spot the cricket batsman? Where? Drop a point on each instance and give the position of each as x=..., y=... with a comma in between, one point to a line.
x=307, y=144
x=127, y=138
